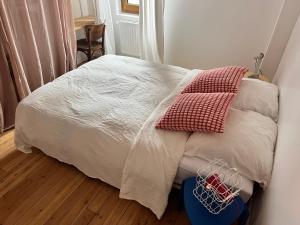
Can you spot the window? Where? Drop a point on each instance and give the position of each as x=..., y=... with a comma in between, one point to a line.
x=130, y=6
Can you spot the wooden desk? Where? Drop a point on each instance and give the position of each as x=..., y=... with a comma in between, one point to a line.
x=81, y=22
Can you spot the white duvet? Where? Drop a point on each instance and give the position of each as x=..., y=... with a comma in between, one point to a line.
x=96, y=116
x=152, y=163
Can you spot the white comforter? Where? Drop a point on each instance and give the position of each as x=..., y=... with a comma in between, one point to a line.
x=96, y=116
x=152, y=163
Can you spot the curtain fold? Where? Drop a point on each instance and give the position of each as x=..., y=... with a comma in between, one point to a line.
x=104, y=15
x=8, y=98
x=152, y=30
x=38, y=37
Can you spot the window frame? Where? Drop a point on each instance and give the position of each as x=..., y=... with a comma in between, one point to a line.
x=129, y=8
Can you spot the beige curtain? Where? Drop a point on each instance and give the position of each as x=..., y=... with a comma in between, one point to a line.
x=8, y=98
x=38, y=37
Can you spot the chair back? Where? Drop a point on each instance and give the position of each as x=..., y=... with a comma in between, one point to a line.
x=95, y=32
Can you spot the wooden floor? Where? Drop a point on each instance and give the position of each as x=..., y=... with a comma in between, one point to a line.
x=36, y=189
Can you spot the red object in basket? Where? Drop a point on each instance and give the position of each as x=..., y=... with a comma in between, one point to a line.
x=215, y=182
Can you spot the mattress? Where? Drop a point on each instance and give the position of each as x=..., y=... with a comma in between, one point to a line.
x=90, y=117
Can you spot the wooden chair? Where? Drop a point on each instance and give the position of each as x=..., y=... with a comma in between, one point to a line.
x=94, y=41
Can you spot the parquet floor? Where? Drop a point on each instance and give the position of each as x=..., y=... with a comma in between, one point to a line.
x=36, y=189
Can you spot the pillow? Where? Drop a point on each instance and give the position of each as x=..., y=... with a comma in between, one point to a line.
x=258, y=96
x=225, y=79
x=197, y=112
x=247, y=144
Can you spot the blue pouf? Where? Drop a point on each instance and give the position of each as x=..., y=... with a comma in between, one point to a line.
x=199, y=215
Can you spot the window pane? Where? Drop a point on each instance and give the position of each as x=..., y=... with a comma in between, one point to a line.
x=130, y=6
x=134, y=2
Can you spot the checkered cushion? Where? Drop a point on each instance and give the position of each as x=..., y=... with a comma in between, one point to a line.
x=205, y=112
x=225, y=79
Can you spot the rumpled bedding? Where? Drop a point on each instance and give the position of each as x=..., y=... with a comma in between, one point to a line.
x=100, y=118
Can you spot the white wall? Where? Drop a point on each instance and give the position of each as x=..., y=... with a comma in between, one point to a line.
x=281, y=35
x=280, y=202
x=211, y=33
x=76, y=8
x=83, y=8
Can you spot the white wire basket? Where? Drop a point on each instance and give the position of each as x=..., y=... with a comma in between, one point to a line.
x=217, y=185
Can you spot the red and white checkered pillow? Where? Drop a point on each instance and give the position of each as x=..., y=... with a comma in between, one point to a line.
x=192, y=112
x=225, y=79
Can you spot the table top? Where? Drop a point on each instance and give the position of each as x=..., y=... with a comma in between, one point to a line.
x=199, y=215
x=261, y=77
x=81, y=22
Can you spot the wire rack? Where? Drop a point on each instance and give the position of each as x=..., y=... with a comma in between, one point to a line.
x=217, y=185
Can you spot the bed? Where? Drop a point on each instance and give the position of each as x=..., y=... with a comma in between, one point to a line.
x=93, y=117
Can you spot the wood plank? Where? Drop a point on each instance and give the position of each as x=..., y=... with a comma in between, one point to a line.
x=118, y=211
x=73, y=205
x=21, y=172
x=36, y=189
x=13, y=159
x=2, y=175
x=6, y=144
x=50, y=202
x=85, y=217
x=135, y=214
x=91, y=211
x=16, y=196
x=51, y=175
x=105, y=212
x=102, y=197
